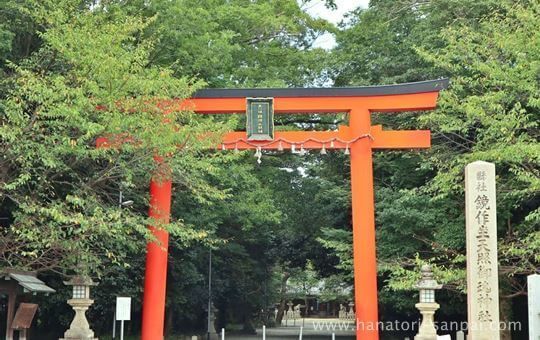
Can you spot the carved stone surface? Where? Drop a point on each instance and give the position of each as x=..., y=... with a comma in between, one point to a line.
x=481, y=230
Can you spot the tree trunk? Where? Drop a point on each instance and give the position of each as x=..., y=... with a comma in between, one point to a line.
x=168, y=320
x=282, y=301
x=505, y=307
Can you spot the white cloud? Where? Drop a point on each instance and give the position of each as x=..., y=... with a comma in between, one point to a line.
x=317, y=9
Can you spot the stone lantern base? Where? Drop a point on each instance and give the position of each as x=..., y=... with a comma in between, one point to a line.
x=213, y=336
x=427, y=329
x=79, y=328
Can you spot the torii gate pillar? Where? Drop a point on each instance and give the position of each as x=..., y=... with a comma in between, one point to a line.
x=363, y=215
x=360, y=137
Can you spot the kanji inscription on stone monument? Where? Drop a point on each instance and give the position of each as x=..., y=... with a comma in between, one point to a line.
x=482, y=272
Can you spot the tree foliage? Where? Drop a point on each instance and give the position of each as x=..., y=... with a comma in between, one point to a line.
x=489, y=51
x=58, y=189
x=73, y=71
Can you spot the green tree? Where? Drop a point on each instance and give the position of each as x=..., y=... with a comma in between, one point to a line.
x=238, y=43
x=74, y=71
x=490, y=112
x=58, y=190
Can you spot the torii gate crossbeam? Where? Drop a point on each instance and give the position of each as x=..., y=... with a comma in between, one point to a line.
x=360, y=137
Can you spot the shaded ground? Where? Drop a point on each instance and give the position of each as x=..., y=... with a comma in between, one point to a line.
x=312, y=329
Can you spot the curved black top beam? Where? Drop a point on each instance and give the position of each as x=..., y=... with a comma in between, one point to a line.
x=362, y=91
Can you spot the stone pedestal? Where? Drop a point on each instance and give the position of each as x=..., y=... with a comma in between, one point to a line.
x=427, y=327
x=79, y=328
x=213, y=336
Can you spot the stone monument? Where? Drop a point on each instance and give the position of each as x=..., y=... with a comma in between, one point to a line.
x=533, y=289
x=482, y=271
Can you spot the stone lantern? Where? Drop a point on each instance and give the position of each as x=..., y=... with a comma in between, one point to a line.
x=350, y=314
x=427, y=305
x=80, y=301
x=211, y=331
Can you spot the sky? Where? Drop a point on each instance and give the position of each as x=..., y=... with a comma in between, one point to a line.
x=317, y=9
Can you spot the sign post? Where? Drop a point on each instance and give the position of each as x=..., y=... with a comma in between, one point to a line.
x=123, y=312
x=23, y=318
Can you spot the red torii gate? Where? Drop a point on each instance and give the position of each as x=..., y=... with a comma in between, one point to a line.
x=360, y=138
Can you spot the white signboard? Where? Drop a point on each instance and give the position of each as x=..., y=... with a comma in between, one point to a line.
x=123, y=308
x=482, y=265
